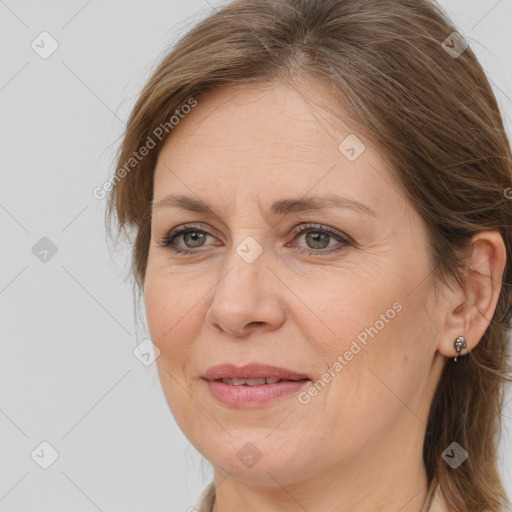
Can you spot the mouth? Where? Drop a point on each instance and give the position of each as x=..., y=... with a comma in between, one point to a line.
x=252, y=385
x=253, y=374
x=256, y=382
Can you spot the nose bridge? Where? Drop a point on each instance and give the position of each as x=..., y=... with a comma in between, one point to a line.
x=243, y=280
x=243, y=294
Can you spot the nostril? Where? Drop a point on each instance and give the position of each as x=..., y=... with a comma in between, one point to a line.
x=256, y=323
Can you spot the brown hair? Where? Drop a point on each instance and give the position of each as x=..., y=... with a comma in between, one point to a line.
x=433, y=115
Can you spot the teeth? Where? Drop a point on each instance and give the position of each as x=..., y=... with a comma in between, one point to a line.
x=250, y=382
x=254, y=382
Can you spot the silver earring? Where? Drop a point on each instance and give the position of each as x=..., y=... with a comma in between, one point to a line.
x=459, y=344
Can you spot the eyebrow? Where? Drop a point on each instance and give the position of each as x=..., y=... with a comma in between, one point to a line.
x=281, y=207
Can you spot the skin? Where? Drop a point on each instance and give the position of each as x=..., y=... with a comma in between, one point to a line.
x=357, y=445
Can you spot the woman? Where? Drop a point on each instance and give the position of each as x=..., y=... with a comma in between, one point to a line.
x=319, y=196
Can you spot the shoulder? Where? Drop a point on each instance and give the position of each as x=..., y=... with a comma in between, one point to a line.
x=438, y=503
x=205, y=503
x=435, y=500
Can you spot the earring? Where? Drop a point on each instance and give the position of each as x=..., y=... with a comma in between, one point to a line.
x=459, y=344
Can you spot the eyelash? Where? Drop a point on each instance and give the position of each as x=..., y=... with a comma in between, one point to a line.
x=168, y=239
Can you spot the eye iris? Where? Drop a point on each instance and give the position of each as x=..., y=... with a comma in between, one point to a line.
x=196, y=237
x=313, y=238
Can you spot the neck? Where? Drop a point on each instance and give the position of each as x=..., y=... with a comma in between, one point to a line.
x=381, y=480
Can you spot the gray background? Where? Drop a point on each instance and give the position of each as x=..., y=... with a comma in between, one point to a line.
x=68, y=328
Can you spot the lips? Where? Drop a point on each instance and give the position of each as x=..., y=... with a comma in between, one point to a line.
x=253, y=385
x=253, y=374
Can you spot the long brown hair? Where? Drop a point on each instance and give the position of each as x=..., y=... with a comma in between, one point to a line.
x=431, y=113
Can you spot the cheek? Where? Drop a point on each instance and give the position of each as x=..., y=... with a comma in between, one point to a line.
x=376, y=346
x=387, y=372
x=168, y=300
x=159, y=304
x=172, y=321
x=171, y=325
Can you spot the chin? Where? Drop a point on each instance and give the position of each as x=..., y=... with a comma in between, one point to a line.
x=256, y=460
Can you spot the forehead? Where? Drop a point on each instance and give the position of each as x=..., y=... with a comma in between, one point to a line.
x=263, y=116
x=264, y=138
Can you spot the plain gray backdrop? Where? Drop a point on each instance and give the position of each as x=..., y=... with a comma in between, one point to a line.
x=69, y=377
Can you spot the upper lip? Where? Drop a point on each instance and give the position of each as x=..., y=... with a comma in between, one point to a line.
x=251, y=371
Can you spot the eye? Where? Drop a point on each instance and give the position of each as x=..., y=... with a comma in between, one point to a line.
x=317, y=237
x=193, y=236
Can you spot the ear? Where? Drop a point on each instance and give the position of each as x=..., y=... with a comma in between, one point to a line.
x=471, y=310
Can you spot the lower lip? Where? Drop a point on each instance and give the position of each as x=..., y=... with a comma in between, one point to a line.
x=253, y=396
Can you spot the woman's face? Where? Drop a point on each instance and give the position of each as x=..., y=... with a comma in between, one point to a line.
x=344, y=299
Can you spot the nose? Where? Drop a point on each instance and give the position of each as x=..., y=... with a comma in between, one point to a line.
x=247, y=297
